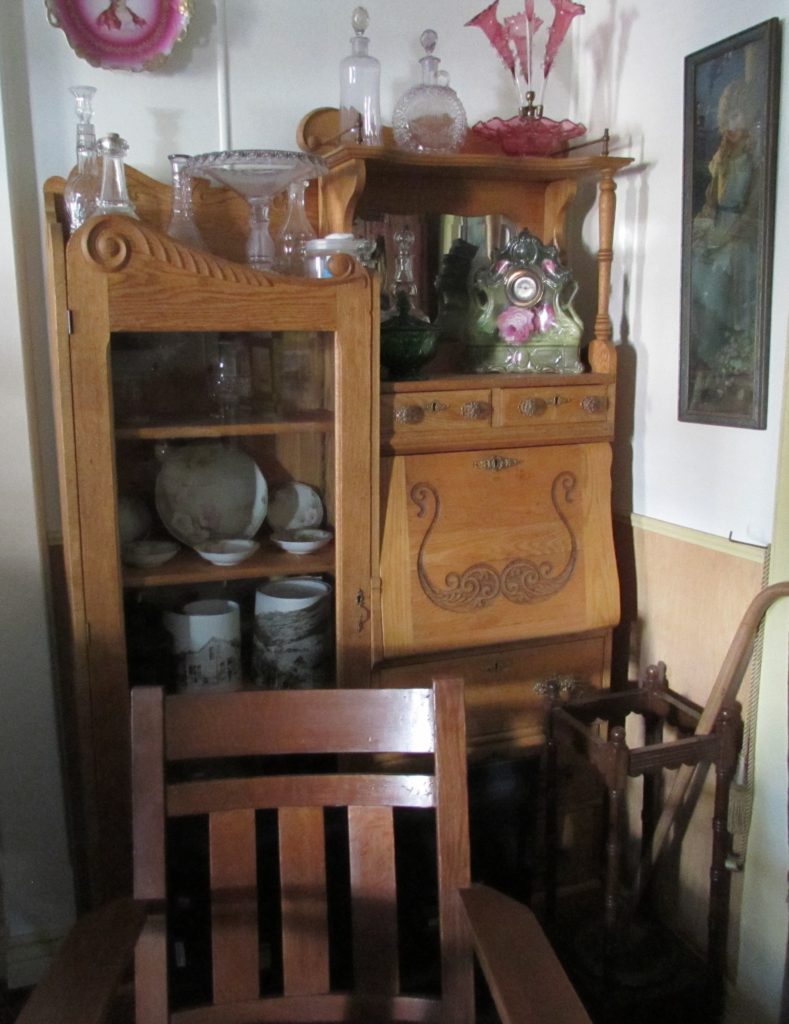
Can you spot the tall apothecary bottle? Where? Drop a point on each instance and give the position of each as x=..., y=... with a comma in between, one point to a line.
x=360, y=82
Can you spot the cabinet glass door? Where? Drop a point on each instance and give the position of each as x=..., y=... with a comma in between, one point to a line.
x=225, y=469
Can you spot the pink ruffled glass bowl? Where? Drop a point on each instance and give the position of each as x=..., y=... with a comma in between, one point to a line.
x=529, y=136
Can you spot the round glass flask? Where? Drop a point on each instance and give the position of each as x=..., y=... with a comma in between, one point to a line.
x=430, y=118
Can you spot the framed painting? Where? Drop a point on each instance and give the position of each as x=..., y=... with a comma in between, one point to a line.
x=730, y=123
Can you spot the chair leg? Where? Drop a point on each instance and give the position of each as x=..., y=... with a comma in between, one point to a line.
x=728, y=726
x=551, y=819
x=616, y=780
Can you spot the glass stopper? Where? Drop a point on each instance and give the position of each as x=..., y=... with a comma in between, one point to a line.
x=360, y=19
x=428, y=39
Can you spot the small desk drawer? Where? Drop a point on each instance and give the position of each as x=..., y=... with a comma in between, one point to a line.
x=573, y=404
x=421, y=412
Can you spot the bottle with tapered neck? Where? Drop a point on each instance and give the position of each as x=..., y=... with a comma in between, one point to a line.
x=360, y=77
x=114, y=197
x=182, y=226
x=81, y=190
x=296, y=232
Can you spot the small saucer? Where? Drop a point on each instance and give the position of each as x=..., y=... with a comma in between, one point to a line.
x=227, y=552
x=302, y=542
x=148, y=554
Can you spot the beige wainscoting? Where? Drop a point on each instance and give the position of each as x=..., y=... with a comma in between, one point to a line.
x=683, y=594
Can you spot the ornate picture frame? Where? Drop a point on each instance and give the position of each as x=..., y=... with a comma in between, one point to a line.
x=729, y=171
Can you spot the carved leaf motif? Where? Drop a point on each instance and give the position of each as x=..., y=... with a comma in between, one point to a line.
x=522, y=580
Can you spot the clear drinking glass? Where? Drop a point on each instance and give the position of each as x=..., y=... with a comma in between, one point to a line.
x=230, y=379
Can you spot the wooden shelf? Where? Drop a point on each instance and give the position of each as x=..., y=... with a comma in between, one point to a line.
x=319, y=421
x=189, y=567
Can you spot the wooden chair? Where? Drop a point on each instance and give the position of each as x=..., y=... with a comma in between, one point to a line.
x=223, y=757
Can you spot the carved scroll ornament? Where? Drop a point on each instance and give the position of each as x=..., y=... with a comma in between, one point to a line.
x=111, y=241
x=521, y=581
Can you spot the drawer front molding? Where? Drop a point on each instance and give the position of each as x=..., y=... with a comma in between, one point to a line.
x=521, y=581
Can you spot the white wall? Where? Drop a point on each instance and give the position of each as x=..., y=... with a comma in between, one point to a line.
x=622, y=68
x=36, y=902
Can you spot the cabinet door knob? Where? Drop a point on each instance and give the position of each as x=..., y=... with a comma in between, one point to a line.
x=409, y=414
x=533, y=406
x=593, y=403
x=475, y=410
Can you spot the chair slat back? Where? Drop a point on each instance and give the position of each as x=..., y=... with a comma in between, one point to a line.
x=190, y=760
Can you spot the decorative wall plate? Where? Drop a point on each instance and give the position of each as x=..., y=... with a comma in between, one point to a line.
x=133, y=35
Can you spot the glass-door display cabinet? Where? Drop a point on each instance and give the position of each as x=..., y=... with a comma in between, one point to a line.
x=215, y=430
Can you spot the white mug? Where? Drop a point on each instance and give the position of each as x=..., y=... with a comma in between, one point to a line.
x=207, y=645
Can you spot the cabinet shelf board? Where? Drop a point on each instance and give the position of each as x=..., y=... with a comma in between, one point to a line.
x=189, y=567
x=309, y=422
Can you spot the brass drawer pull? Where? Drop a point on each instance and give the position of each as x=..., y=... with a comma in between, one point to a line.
x=593, y=403
x=570, y=686
x=409, y=414
x=475, y=410
x=533, y=406
x=496, y=463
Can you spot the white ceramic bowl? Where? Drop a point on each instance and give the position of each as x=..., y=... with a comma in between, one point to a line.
x=147, y=554
x=227, y=552
x=294, y=506
x=291, y=594
x=302, y=542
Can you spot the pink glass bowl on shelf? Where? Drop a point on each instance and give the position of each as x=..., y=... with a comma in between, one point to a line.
x=529, y=136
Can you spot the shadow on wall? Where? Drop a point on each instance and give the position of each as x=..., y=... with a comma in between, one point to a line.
x=607, y=46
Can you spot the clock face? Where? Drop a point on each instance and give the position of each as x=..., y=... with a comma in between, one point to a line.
x=524, y=287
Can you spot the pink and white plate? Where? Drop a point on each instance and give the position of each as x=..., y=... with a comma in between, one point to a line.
x=133, y=35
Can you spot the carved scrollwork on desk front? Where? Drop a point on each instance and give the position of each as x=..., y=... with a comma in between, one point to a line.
x=522, y=580
x=111, y=241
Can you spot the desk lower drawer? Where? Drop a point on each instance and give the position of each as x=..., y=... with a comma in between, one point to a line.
x=504, y=686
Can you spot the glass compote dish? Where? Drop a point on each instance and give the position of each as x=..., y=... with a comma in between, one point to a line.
x=258, y=175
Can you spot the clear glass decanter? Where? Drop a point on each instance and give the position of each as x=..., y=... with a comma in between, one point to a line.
x=81, y=190
x=182, y=226
x=114, y=198
x=360, y=83
x=430, y=118
x=295, y=233
x=408, y=340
